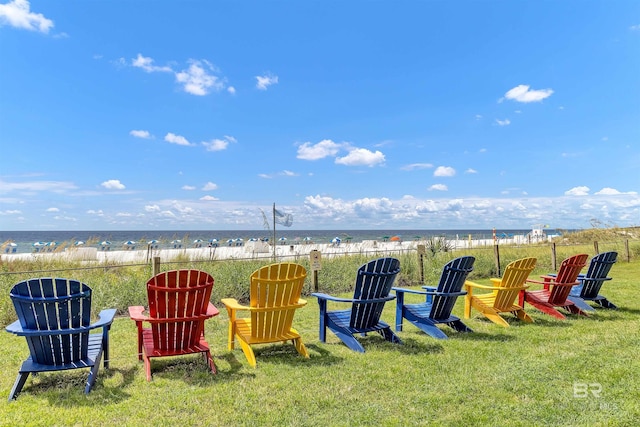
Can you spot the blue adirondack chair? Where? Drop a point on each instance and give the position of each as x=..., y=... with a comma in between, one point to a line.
x=590, y=283
x=373, y=285
x=439, y=300
x=54, y=317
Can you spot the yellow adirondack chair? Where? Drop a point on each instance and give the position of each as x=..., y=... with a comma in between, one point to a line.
x=505, y=292
x=274, y=297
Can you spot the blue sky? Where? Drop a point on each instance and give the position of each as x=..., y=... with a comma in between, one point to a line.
x=126, y=115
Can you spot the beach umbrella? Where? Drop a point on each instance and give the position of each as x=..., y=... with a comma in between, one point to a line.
x=39, y=244
x=283, y=240
x=105, y=243
x=396, y=239
x=336, y=240
x=306, y=239
x=13, y=245
x=417, y=237
x=152, y=242
x=175, y=242
x=79, y=243
x=129, y=243
x=213, y=240
x=253, y=239
x=385, y=238
x=51, y=244
x=230, y=242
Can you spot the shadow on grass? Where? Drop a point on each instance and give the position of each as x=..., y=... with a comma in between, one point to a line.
x=65, y=388
x=283, y=354
x=484, y=336
x=633, y=311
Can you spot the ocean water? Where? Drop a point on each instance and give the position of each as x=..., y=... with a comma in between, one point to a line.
x=27, y=241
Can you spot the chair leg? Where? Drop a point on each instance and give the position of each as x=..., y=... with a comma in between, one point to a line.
x=17, y=386
x=467, y=306
x=210, y=362
x=147, y=366
x=399, y=310
x=457, y=325
x=605, y=303
x=389, y=335
x=322, y=332
x=300, y=347
x=496, y=318
x=522, y=315
x=248, y=352
x=93, y=374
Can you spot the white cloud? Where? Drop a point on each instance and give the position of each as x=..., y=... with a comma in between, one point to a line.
x=152, y=208
x=263, y=82
x=522, y=93
x=361, y=157
x=146, y=64
x=438, y=187
x=17, y=14
x=209, y=186
x=444, y=171
x=635, y=28
x=53, y=210
x=265, y=176
x=10, y=212
x=578, y=191
x=176, y=139
x=113, y=184
x=414, y=166
x=470, y=170
x=505, y=122
x=144, y=134
x=218, y=144
x=188, y=187
x=197, y=79
x=288, y=173
x=231, y=90
x=322, y=149
x=209, y=198
x=607, y=191
x=36, y=186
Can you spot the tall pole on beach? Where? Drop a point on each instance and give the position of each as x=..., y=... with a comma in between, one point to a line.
x=274, y=232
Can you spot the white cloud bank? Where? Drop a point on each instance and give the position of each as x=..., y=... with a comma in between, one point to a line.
x=113, y=184
x=263, y=82
x=355, y=156
x=17, y=14
x=523, y=93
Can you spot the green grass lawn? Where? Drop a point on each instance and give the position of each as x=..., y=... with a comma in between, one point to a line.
x=545, y=373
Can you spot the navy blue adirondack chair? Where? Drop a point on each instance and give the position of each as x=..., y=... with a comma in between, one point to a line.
x=439, y=300
x=54, y=317
x=590, y=283
x=373, y=286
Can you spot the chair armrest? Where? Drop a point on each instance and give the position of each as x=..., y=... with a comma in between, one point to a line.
x=135, y=313
x=233, y=304
x=14, y=328
x=105, y=318
x=331, y=298
x=212, y=310
x=409, y=291
x=469, y=284
x=352, y=300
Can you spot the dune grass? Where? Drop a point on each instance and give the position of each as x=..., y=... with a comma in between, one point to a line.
x=545, y=373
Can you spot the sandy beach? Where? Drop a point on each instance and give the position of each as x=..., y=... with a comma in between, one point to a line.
x=250, y=250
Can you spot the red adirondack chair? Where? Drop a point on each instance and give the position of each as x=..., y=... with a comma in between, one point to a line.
x=178, y=306
x=557, y=288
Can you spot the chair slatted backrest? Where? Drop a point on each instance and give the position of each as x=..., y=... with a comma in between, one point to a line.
x=597, y=273
x=453, y=276
x=374, y=280
x=59, y=308
x=567, y=274
x=275, y=291
x=178, y=302
x=515, y=276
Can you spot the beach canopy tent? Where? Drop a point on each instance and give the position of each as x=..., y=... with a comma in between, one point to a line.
x=178, y=307
x=556, y=289
x=372, y=287
x=503, y=293
x=274, y=297
x=590, y=284
x=54, y=315
x=439, y=300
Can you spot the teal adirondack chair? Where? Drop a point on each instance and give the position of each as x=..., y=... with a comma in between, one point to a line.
x=373, y=285
x=439, y=300
x=54, y=315
x=591, y=283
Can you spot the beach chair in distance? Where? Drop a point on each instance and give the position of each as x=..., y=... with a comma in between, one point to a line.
x=54, y=315
x=374, y=281
x=590, y=284
x=504, y=293
x=439, y=300
x=178, y=307
x=556, y=289
x=274, y=297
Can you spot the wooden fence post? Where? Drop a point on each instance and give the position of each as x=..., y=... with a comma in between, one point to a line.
x=626, y=248
x=554, y=259
x=421, y=252
x=496, y=252
x=595, y=246
x=156, y=265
